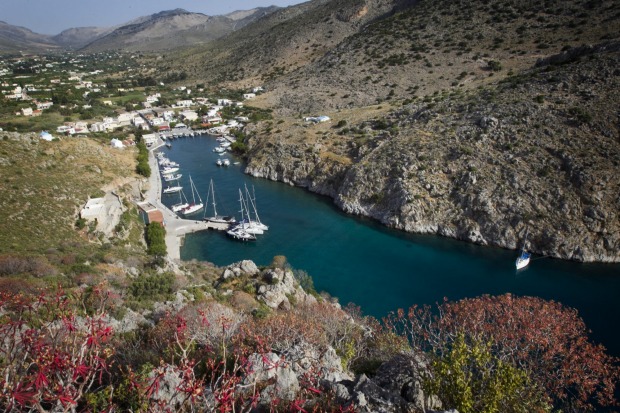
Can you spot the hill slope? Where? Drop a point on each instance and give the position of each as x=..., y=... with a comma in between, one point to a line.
x=171, y=30
x=446, y=123
x=15, y=39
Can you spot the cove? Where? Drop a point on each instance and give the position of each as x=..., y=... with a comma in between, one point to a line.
x=379, y=269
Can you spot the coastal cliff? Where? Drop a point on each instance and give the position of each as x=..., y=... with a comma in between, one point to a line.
x=537, y=151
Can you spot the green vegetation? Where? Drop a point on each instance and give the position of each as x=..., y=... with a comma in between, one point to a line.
x=143, y=168
x=156, y=239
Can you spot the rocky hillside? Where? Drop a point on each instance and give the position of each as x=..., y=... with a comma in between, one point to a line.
x=78, y=37
x=282, y=42
x=540, y=150
x=15, y=39
x=459, y=119
x=172, y=30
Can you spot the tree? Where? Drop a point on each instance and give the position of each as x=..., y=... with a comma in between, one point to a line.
x=548, y=341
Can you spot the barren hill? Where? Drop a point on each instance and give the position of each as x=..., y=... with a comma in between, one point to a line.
x=172, y=29
x=472, y=120
x=15, y=39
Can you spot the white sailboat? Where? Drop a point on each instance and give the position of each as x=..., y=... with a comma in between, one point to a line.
x=194, y=206
x=182, y=203
x=239, y=232
x=523, y=259
x=221, y=219
x=256, y=222
x=172, y=189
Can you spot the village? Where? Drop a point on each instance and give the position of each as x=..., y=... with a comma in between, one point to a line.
x=80, y=95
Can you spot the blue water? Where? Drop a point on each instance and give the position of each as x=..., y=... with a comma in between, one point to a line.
x=377, y=268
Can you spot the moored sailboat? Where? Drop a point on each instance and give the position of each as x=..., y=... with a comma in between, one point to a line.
x=194, y=206
x=221, y=219
x=523, y=259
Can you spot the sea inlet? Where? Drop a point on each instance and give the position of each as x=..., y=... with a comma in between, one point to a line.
x=379, y=269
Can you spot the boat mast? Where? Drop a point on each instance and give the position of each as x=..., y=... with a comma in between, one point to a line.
x=213, y=196
x=253, y=204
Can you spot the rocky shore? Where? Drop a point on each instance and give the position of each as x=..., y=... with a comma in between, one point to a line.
x=538, y=152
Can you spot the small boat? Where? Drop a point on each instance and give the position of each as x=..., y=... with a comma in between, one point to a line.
x=219, y=149
x=219, y=162
x=169, y=169
x=220, y=219
x=182, y=203
x=226, y=162
x=194, y=206
x=172, y=189
x=240, y=234
x=523, y=259
x=173, y=177
x=168, y=144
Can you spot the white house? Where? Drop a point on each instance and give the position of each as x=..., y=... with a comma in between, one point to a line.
x=46, y=136
x=185, y=103
x=257, y=89
x=93, y=209
x=44, y=105
x=150, y=139
x=27, y=111
x=117, y=144
x=249, y=95
x=189, y=115
x=224, y=102
x=98, y=127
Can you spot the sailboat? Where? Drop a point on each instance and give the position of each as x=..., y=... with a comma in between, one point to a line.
x=194, y=206
x=254, y=224
x=182, y=203
x=524, y=257
x=172, y=189
x=239, y=231
x=216, y=218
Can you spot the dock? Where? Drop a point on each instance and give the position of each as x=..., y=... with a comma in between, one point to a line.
x=176, y=227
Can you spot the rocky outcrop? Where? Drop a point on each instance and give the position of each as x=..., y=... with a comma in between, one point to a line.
x=539, y=152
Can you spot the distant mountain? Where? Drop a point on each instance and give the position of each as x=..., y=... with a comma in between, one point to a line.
x=169, y=29
x=15, y=39
x=78, y=37
x=174, y=29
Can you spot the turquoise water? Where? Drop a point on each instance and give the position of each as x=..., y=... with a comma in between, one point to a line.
x=380, y=269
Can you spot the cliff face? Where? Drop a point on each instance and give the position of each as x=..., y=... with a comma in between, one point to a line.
x=539, y=150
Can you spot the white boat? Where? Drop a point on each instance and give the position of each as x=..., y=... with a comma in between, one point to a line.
x=523, y=259
x=256, y=222
x=169, y=170
x=240, y=232
x=246, y=223
x=172, y=189
x=220, y=219
x=219, y=162
x=182, y=203
x=226, y=162
x=219, y=149
x=173, y=177
x=193, y=206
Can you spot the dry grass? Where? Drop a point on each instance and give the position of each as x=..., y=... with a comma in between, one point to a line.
x=44, y=185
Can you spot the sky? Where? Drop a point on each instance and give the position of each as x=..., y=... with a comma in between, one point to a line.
x=54, y=16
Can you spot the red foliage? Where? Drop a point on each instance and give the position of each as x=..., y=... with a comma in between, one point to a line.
x=545, y=338
x=47, y=357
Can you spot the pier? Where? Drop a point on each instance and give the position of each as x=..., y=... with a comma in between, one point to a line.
x=176, y=227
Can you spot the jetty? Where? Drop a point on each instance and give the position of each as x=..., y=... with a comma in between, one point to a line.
x=176, y=227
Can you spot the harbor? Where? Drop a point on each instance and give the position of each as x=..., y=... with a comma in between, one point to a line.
x=176, y=227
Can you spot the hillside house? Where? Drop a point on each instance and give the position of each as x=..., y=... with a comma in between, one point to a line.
x=184, y=103
x=189, y=115
x=116, y=144
x=249, y=95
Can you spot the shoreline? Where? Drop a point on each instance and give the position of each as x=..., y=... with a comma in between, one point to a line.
x=176, y=227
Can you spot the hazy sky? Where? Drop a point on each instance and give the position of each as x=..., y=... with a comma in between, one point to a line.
x=54, y=16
